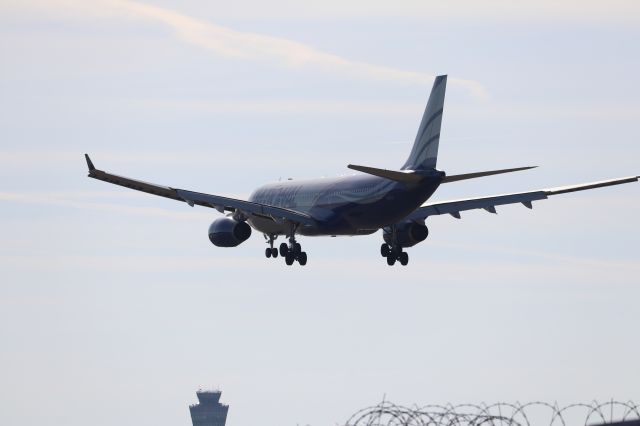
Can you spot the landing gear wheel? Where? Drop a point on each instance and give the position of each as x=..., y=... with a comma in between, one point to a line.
x=391, y=260
x=284, y=249
x=384, y=250
x=403, y=258
x=302, y=258
x=267, y=252
x=274, y=252
x=297, y=248
x=289, y=258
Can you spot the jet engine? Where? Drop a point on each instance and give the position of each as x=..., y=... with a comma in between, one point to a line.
x=408, y=234
x=227, y=232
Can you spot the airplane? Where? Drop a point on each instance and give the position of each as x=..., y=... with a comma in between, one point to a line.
x=392, y=200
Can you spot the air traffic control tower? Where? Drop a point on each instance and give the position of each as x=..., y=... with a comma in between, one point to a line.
x=209, y=411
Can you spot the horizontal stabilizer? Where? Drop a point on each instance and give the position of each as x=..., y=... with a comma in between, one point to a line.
x=455, y=178
x=404, y=176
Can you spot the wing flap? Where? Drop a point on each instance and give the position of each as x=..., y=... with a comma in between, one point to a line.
x=138, y=185
x=525, y=198
x=487, y=203
x=593, y=185
x=232, y=204
x=192, y=198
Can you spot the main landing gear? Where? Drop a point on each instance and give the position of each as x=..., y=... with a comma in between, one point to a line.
x=291, y=252
x=393, y=254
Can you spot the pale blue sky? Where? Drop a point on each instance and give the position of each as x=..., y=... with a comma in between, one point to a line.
x=114, y=306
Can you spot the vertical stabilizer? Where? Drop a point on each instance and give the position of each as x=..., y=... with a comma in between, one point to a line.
x=424, y=154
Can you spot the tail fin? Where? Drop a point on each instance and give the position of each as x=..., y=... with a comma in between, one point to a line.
x=425, y=148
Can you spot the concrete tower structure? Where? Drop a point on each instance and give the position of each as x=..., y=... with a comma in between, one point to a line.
x=209, y=411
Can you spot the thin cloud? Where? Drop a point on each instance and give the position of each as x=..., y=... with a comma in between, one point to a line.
x=291, y=54
x=83, y=200
x=582, y=270
x=560, y=258
x=428, y=11
x=281, y=106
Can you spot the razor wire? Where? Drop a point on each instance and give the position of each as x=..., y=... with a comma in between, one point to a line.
x=535, y=413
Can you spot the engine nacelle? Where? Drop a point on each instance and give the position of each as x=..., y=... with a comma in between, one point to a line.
x=226, y=232
x=408, y=234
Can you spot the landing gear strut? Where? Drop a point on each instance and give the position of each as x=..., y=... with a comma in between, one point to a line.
x=270, y=251
x=392, y=250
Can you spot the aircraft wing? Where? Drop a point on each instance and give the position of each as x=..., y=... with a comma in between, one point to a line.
x=219, y=203
x=489, y=203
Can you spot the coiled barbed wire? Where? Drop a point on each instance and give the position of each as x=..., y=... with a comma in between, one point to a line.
x=535, y=413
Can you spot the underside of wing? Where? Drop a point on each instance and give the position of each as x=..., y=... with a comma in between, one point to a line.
x=489, y=203
x=222, y=204
x=277, y=214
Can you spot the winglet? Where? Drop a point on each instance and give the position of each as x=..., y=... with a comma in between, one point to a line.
x=89, y=163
